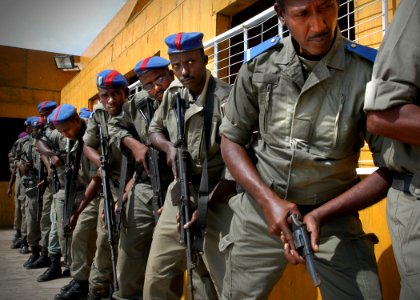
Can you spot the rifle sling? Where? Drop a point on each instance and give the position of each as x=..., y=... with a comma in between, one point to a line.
x=121, y=188
x=75, y=174
x=203, y=192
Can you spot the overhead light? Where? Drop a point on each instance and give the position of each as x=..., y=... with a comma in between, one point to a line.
x=64, y=61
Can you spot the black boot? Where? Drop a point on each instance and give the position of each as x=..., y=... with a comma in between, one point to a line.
x=53, y=271
x=16, y=240
x=66, y=271
x=79, y=289
x=42, y=262
x=98, y=292
x=24, y=248
x=34, y=256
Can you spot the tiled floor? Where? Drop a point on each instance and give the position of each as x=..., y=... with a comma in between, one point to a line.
x=17, y=283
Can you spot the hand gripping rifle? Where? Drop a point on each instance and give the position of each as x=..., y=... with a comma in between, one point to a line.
x=108, y=206
x=180, y=106
x=303, y=246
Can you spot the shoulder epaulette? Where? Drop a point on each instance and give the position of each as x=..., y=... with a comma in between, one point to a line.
x=264, y=46
x=363, y=51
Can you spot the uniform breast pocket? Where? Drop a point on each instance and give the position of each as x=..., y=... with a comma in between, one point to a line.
x=268, y=98
x=331, y=119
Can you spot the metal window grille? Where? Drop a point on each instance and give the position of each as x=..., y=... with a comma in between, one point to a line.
x=363, y=21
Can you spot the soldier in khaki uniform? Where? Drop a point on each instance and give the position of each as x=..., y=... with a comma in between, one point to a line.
x=24, y=247
x=68, y=123
x=19, y=191
x=30, y=165
x=392, y=102
x=305, y=95
x=113, y=92
x=167, y=260
x=44, y=109
x=129, y=129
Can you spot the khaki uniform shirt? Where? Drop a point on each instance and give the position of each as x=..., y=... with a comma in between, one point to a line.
x=86, y=169
x=101, y=117
x=396, y=81
x=131, y=122
x=164, y=121
x=310, y=131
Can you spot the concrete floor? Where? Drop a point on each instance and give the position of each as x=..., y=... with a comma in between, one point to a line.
x=17, y=283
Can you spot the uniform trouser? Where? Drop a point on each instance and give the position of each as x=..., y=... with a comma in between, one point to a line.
x=167, y=258
x=135, y=239
x=255, y=261
x=101, y=271
x=24, y=226
x=83, y=243
x=65, y=243
x=403, y=217
x=53, y=243
x=32, y=221
x=17, y=221
x=45, y=220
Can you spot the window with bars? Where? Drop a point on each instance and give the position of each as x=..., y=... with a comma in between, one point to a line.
x=363, y=21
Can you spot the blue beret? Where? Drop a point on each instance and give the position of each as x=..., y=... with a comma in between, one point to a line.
x=36, y=122
x=22, y=134
x=184, y=41
x=62, y=114
x=151, y=63
x=85, y=113
x=27, y=121
x=110, y=79
x=46, y=105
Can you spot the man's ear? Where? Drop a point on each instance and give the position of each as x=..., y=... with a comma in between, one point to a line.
x=280, y=13
x=205, y=59
x=127, y=92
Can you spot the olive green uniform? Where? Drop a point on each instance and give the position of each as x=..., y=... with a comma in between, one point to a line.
x=20, y=188
x=395, y=82
x=138, y=222
x=86, y=171
x=167, y=258
x=30, y=180
x=310, y=134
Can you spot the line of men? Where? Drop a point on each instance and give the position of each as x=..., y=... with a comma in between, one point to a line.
x=305, y=96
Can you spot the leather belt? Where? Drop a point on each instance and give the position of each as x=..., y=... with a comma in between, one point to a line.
x=402, y=182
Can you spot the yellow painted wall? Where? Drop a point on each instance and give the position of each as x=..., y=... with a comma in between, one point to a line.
x=144, y=36
x=27, y=77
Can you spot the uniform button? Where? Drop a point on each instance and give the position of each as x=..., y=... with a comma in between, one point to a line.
x=273, y=40
x=353, y=45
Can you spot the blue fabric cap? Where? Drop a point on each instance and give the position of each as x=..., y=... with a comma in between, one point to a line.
x=36, y=122
x=151, y=63
x=46, y=105
x=184, y=41
x=27, y=121
x=62, y=114
x=22, y=134
x=85, y=113
x=110, y=79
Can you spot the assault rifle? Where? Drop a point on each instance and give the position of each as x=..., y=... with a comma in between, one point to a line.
x=71, y=172
x=146, y=106
x=180, y=106
x=108, y=206
x=303, y=246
